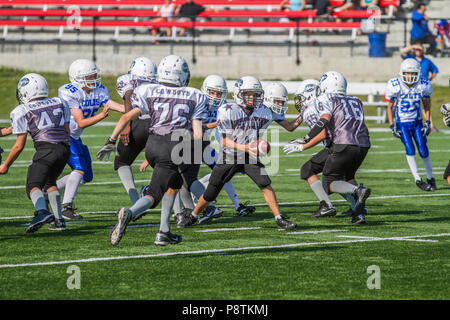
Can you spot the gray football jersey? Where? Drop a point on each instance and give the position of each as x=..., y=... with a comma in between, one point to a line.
x=240, y=127
x=128, y=82
x=347, y=119
x=169, y=108
x=43, y=119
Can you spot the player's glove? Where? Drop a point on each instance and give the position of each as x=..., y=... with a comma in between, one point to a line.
x=1, y=151
x=427, y=128
x=299, y=140
x=447, y=120
x=397, y=133
x=293, y=147
x=445, y=109
x=106, y=150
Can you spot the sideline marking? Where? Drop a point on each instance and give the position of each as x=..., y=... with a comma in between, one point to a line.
x=168, y=254
x=318, y=231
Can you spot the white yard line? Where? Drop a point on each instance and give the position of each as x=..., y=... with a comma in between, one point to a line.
x=167, y=254
x=265, y=204
x=391, y=238
x=228, y=229
x=317, y=231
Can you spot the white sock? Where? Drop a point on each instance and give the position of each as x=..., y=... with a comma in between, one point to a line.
x=54, y=198
x=61, y=183
x=413, y=166
x=126, y=176
x=229, y=188
x=72, y=186
x=37, y=197
x=428, y=167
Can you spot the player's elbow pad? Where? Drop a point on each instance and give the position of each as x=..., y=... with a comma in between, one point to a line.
x=318, y=127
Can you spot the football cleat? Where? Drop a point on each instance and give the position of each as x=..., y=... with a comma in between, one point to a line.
x=324, y=211
x=359, y=219
x=210, y=213
x=187, y=219
x=245, y=210
x=350, y=212
x=40, y=217
x=284, y=224
x=423, y=185
x=432, y=184
x=361, y=195
x=57, y=225
x=68, y=211
x=165, y=238
x=123, y=218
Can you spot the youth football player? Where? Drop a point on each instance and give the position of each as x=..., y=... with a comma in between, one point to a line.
x=134, y=137
x=240, y=123
x=172, y=106
x=344, y=116
x=405, y=94
x=84, y=95
x=45, y=119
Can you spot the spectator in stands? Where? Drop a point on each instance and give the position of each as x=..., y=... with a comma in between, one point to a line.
x=428, y=69
x=366, y=4
x=420, y=32
x=188, y=11
x=166, y=13
x=348, y=5
x=322, y=7
x=292, y=5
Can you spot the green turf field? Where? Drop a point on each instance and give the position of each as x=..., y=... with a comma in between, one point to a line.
x=406, y=238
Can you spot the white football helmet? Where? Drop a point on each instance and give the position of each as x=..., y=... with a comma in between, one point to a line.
x=31, y=86
x=306, y=91
x=275, y=91
x=215, y=83
x=333, y=82
x=175, y=70
x=409, y=66
x=80, y=69
x=143, y=67
x=248, y=84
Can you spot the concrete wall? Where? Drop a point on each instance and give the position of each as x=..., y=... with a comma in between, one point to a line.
x=262, y=62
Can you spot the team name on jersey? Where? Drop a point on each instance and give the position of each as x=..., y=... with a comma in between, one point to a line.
x=90, y=103
x=172, y=91
x=411, y=95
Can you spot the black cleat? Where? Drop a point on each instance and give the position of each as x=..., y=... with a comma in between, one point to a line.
x=57, y=225
x=324, y=211
x=123, y=218
x=423, y=185
x=186, y=219
x=245, y=210
x=350, y=212
x=359, y=219
x=68, y=211
x=210, y=213
x=284, y=224
x=40, y=218
x=361, y=195
x=432, y=183
x=165, y=238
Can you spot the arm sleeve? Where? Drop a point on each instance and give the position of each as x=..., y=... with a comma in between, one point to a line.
x=137, y=101
x=391, y=92
x=200, y=110
x=224, y=125
x=123, y=85
x=18, y=122
x=68, y=98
